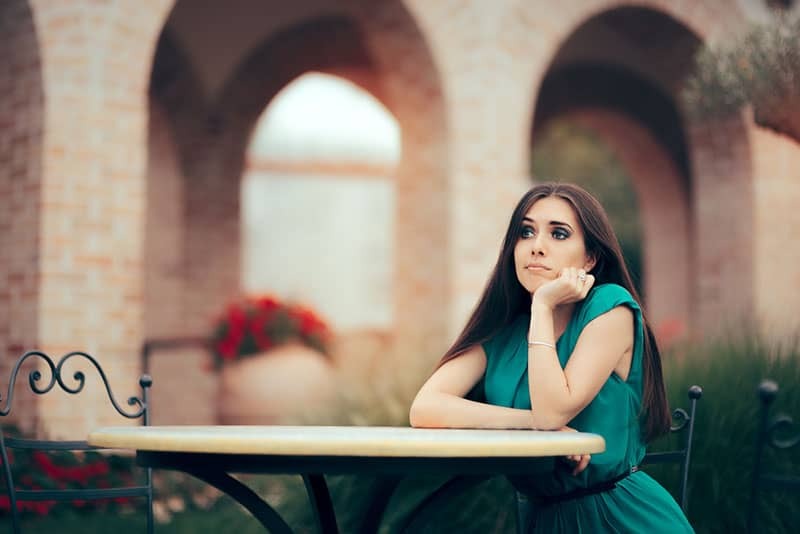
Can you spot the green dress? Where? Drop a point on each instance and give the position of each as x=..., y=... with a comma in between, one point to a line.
x=637, y=503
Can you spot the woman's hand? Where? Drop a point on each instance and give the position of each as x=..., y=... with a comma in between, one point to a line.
x=581, y=461
x=572, y=285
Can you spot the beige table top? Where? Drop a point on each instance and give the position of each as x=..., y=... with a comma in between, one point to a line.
x=348, y=441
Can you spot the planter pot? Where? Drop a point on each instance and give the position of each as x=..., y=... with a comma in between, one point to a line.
x=289, y=384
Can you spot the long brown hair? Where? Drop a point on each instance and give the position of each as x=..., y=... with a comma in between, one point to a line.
x=504, y=297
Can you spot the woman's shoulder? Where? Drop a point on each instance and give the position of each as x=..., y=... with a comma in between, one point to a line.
x=604, y=298
x=610, y=291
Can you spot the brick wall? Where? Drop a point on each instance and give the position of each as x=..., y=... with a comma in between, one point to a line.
x=723, y=241
x=21, y=131
x=95, y=60
x=123, y=160
x=776, y=231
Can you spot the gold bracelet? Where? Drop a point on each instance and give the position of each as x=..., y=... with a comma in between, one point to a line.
x=545, y=343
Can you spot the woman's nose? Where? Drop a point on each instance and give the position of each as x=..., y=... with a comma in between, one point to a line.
x=537, y=245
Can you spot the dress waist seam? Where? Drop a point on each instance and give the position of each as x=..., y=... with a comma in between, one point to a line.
x=606, y=485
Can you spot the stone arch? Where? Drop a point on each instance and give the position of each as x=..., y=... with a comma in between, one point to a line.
x=21, y=137
x=359, y=49
x=175, y=100
x=225, y=132
x=523, y=30
x=375, y=45
x=640, y=124
x=663, y=203
x=615, y=75
x=426, y=295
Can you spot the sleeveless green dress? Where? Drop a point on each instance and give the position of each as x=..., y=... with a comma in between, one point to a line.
x=638, y=503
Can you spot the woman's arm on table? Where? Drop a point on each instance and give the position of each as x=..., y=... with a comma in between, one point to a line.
x=440, y=403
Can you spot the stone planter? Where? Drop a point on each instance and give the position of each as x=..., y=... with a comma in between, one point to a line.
x=289, y=384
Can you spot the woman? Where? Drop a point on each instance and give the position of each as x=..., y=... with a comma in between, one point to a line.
x=559, y=328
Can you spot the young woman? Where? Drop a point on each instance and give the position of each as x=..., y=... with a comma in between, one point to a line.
x=558, y=338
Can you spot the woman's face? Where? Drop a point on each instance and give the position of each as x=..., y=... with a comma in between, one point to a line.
x=551, y=239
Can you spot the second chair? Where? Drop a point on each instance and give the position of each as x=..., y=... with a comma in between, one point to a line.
x=42, y=385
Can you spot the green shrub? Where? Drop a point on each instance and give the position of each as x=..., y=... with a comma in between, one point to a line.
x=721, y=467
x=758, y=67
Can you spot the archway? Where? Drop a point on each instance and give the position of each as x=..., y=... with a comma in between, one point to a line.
x=622, y=82
x=212, y=114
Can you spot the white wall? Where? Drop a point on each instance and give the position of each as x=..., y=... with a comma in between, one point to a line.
x=323, y=240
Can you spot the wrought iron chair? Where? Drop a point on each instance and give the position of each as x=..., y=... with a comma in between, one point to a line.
x=681, y=420
x=39, y=386
x=769, y=431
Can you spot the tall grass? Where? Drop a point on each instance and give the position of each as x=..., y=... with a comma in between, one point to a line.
x=721, y=468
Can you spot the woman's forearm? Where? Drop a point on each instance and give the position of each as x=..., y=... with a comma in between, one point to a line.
x=547, y=383
x=442, y=410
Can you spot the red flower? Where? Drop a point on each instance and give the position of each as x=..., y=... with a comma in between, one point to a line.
x=254, y=324
x=43, y=507
x=259, y=323
x=266, y=304
x=310, y=323
x=37, y=470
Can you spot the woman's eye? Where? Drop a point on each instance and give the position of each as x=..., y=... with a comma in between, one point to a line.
x=527, y=231
x=560, y=234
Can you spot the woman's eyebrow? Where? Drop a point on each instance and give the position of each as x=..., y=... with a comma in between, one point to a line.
x=559, y=223
x=552, y=223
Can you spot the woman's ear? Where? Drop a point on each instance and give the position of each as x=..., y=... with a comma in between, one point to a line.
x=591, y=261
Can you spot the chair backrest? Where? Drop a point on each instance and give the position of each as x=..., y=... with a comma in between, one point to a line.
x=39, y=386
x=768, y=433
x=683, y=421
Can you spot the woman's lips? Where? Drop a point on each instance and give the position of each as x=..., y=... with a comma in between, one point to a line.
x=537, y=267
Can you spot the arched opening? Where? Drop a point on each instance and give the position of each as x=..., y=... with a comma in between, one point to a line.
x=317, y=201
x=608, y=116
x=212, y=100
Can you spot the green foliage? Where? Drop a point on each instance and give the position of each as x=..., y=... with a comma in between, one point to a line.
x=760, y=67
x=565, y=152
x=721, y=468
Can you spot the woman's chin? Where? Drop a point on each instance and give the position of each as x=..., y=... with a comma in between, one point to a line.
x=531, y=287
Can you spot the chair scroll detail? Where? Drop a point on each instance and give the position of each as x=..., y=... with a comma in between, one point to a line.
x=40, y=386
x=768, y=434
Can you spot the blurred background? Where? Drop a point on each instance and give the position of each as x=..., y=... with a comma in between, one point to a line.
x=161, y=160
